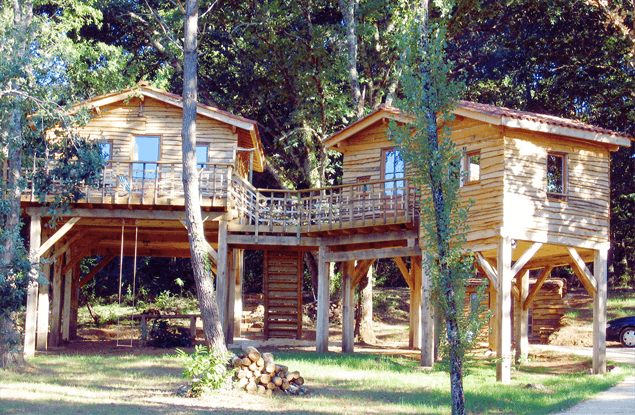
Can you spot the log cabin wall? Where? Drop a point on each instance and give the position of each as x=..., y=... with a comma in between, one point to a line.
x=362, y=154
x=486, y=214
x=119, y=123
x=581, y=217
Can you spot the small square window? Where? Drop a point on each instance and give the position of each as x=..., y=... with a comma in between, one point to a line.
x=364, y=187
x=557, y=176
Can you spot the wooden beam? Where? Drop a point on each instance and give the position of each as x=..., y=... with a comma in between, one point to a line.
x=322, y=326
x=525, y=258
x=273, y=240
x=586, y=277
x=70, y=242
x=599, y=312
x=372, y=253
x=168, y=215
x=404, y=271
x=105, y=261
x=544, y=274
x=521, y=318
x=30, y=320
x=348, y=308
x=361, y=269
x=371, y=237
x=486, y=269
x=414, y=332
x=222, y=278
x=76, y=258
x=503, y=312
x=57, y=236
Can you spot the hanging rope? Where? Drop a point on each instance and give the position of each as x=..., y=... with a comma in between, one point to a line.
x=134, y=282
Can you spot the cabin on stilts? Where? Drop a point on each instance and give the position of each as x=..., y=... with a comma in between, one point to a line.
x=541, y=186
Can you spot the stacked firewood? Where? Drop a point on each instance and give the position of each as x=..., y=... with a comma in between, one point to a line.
x=258, y=373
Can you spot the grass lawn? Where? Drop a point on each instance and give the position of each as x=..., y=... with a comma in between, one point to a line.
x=339, y=384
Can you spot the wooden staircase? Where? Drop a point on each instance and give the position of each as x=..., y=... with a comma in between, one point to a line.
x=283, y=294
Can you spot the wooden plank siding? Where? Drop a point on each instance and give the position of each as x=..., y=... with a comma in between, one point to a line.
x=511, y=193
x=120, y=123
x=583, y=216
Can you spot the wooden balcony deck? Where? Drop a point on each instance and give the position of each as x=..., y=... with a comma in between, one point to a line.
x=258, y=211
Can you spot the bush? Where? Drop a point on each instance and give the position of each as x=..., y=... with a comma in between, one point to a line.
x=165, y=336
x=207, y=370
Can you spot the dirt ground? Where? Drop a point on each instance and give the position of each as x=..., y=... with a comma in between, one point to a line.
x=391, y=329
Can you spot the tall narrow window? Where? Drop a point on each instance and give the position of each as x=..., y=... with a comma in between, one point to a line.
x=557, y=176
x=106, y=151
x=146, y=150
x=471, y=168
x=393, y=168
x=201, y=157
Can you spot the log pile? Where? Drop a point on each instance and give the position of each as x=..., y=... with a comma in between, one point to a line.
x=258, y=373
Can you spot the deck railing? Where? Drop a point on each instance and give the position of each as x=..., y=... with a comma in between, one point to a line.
x=338, y=207
x=258, y=210
x=152, y=182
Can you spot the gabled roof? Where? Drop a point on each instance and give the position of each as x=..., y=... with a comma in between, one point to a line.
x=145, y=90
x=497, y=116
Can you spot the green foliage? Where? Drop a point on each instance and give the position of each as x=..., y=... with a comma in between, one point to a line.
x=208, y=370
x=433, y=162
x=165, y=336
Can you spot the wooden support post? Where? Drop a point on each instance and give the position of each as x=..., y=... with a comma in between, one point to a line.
x=322, y=329
x=30, y=323
x=56, y=308
x=68, y=288
x=348, y=308
x=76, y=273
x=521, y=318
x=238, y=290
x=231, y=295
x=599, y=311
x=415, y=303
x=503, y=349
x=222, y=276
x=493, y=321
x=427, y=321
x=43, y=308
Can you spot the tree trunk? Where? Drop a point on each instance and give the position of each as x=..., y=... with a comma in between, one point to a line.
x=10, y=344
x=348, y=11
x=365, y=326
x=212, y=327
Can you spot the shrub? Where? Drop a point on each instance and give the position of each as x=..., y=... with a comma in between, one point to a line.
x=165, y=336
x=207, y=370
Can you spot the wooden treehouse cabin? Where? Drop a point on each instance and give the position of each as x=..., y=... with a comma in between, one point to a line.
x=541, y=190
x=139, y=210
x=541, y=186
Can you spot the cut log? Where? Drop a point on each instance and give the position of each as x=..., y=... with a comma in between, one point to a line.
x=252, y=353
x=271, y=386
x=270, y=368
x=251, y=386
x=285, y=384
x=265, y=379
x=246, y=361
x=243, y=382
x=299, y=380
x=277, y=381
x=261, y=390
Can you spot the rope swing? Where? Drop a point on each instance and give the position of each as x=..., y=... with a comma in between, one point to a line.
x=134, y=284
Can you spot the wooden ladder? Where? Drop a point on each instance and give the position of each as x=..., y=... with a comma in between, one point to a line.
x=283, y=294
